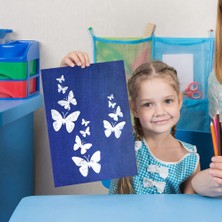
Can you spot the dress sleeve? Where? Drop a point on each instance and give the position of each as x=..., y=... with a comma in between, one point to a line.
x=204, y=185
x=213, y=95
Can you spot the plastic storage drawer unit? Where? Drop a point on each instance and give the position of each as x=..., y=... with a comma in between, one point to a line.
x=19, y=69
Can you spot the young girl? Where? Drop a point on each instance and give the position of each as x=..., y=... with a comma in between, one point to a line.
x=165, y=165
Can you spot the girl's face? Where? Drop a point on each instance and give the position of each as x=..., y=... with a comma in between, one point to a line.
x=157, y=106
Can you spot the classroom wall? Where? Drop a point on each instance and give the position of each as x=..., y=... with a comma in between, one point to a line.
x=62, y=25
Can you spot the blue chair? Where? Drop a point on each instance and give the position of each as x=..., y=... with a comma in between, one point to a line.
x=203, y=142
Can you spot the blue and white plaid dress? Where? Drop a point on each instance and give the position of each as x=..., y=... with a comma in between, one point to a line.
x=156, y=176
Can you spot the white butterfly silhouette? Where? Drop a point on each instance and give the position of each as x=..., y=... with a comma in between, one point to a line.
x=66, y=103
x=112, y=105
x=116, y=114
x=84, y=165
x=116, y=129
x=62, y=89
x=110, y=97
x=63, y=120
x=85, y=122
x=61, y=79
x=80, y=144
x=86, y=132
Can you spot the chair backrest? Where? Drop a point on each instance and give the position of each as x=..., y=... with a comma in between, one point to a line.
x=203, y=142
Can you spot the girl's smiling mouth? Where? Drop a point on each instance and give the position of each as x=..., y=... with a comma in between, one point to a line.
x=161, y=121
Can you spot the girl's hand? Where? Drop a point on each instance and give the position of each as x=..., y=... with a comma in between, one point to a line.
x=216, y=169
x=76, y=58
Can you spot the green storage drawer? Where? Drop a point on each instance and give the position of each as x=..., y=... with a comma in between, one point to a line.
x=18, y=70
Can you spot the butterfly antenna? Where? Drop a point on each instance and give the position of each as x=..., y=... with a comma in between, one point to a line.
x=87, y=158
x=64, y=114
x=113, y=124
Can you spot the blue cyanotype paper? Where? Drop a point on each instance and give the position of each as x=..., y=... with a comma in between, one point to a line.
x=89, y=124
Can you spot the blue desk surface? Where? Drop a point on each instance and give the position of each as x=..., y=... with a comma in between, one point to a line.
x=13, y=109
x=136, y=208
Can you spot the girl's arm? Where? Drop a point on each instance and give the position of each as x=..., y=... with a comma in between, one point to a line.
x=187, y=185
x=209, y=182
x=76, y=58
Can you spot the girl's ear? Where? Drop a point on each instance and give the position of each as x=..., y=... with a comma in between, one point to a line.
x=180, y=98
x=133, y=108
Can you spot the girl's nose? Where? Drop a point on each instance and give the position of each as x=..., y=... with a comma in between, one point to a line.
x=159, y=110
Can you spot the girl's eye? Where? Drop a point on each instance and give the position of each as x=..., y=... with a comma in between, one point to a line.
x=147, y=104
x=168, y=101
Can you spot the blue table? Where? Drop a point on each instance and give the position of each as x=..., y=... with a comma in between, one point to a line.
x=16, y=152
x=113, y=208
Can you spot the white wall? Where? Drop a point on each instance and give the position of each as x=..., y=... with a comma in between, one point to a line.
x=62, y=25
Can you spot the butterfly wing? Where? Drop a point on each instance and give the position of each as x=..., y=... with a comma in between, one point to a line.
x=96, y=167
x=85, y=147
x=82, y=164
x=110, y=97
x=117, y=129
x=70, y=119
x=114, y=116
x=85, y=122
x=84, y=169
x=57, y=125
x=73, y=116
x=112, y=105
x=64, y=103
x=108, y=128
x=86, y=132
x=78, y=143
x=61, y=79
x=71, y=98
x=59, y=88
x=62, y=89
x=58, y=119
x=69, y=126
x=94, y=161
x=119, y=112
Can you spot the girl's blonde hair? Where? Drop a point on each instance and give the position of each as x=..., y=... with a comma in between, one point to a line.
x=155, y=69
x=218, y=43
